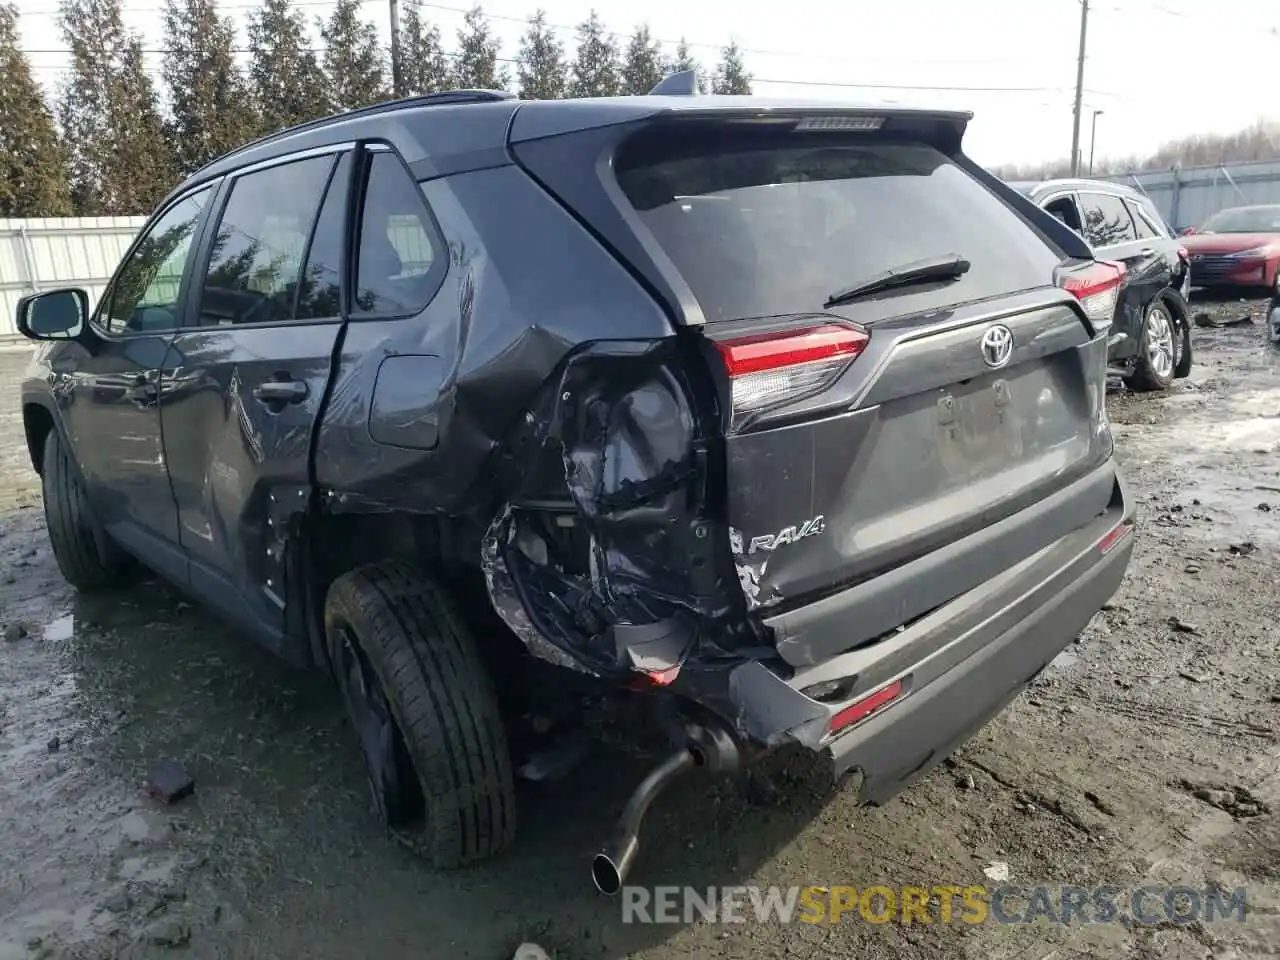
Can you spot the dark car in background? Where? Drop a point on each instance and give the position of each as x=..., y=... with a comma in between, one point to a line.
x=1237, y=248
x=764, y=423
x=1150, y=342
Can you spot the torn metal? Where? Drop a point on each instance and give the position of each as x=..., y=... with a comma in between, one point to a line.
x=610, y=549
x=611, y=555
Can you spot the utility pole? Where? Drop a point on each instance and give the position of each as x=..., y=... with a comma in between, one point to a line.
x=1075, y=121
x=397, y=74
x=1093, y=139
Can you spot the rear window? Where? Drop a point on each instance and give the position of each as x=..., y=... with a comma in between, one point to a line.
x=764, y=229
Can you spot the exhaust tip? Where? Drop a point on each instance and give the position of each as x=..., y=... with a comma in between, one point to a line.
x=606, y=875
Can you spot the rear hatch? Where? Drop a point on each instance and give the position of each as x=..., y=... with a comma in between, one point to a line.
x=863, y=434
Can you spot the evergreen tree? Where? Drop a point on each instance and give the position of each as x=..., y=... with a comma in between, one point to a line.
x=285, y=79
x=731, y=75
x=352, y=58
x=596, y=71
x=121, y=161
x=684, y=60
x=208, y=97
x=476, y=65
x=642, y=65
x=541, y=68
x=33, y=173
x=423, y=64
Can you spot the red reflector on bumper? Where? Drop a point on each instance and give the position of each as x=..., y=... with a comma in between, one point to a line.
x=1108, y=543
x=648, y=679
x=863, y=708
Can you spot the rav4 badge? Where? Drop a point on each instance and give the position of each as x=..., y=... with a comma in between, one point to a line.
x=772, y=541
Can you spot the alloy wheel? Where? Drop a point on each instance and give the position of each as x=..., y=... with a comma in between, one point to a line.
x=1160, y=350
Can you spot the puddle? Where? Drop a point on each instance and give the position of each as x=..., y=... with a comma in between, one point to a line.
x=148, y=869
x=61, y=629
x=1067, y=658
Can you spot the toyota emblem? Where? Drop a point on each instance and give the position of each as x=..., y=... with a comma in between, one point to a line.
x=997, y=345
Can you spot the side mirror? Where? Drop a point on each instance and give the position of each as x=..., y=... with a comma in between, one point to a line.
x=1188, y=232
x=56, y=315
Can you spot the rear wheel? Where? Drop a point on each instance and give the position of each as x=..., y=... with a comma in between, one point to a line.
x=1158, y=350
x=85, y=554
x=425, y=712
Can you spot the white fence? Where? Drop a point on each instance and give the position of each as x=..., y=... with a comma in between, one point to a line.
x=1186, y=196
x=42, y=254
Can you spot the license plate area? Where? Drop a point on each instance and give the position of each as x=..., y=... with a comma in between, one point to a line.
x=979, y=430
x=958, y=447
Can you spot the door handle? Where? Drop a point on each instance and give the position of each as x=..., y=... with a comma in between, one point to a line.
x=1146, y=252
x=281, y=391
x=143, y=390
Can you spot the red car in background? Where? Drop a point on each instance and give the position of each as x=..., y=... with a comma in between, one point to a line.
x=1237, y=247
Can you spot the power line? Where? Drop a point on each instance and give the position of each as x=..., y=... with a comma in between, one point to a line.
x=754, y=51
x=838, y=84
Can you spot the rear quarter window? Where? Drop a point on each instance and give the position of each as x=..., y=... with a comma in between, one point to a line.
x=774, y=228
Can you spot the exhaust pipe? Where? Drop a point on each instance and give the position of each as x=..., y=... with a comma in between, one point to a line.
x=713, y=750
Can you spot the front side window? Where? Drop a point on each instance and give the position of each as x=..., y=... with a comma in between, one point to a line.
x=144, y=297
x=1106, y=220
x=255, y=264
x=398, y=245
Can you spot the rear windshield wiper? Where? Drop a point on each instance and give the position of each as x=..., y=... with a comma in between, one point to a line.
x=950, y=266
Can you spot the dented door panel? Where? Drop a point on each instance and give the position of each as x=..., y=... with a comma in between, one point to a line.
x=498, y=328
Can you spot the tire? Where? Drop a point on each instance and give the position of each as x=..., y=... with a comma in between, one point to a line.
x=1183, y=367
x=85, y=554
x=1158, y=350
x=425, y=712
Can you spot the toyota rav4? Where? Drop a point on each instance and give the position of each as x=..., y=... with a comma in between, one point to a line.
x=782, y=422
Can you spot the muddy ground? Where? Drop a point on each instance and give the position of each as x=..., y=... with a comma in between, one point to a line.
x=1088, y=779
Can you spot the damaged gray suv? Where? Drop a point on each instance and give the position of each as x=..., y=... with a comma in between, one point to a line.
x=770, y=423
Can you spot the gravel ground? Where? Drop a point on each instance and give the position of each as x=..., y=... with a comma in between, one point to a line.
x=1146, y=755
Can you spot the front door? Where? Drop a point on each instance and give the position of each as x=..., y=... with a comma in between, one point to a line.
x=114, y=414
x=253, y=363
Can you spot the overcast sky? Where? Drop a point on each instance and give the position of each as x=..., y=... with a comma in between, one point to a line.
x=1158, y=69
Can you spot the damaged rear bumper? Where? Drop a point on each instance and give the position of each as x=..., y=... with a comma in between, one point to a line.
x=985, y=647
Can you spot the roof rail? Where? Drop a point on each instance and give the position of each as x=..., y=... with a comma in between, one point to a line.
x=442, y=99
x=681, y=84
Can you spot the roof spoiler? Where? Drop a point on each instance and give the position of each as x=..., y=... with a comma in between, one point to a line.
x=681, y=84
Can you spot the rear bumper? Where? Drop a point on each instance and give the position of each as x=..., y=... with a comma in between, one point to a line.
x=895, y=746
x=958, y=666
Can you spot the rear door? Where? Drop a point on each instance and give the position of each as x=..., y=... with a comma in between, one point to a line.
x=871, y=434
x=249, y=376
x=1155, y=232
x=1111, y=231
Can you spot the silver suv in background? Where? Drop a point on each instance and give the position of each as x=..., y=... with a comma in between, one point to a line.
x=1150, y=342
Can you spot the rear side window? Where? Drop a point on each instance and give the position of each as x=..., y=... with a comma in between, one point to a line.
x=775, y=227
x=255, y=266
x=1155, y=218
x=398, y=253
x=1106, y=220
x=1145, y=228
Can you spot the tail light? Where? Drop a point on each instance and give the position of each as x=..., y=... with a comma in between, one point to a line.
x=772, y=368
x=1097, y=287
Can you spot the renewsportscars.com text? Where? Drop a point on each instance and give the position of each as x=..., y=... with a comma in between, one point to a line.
x=941, y=903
